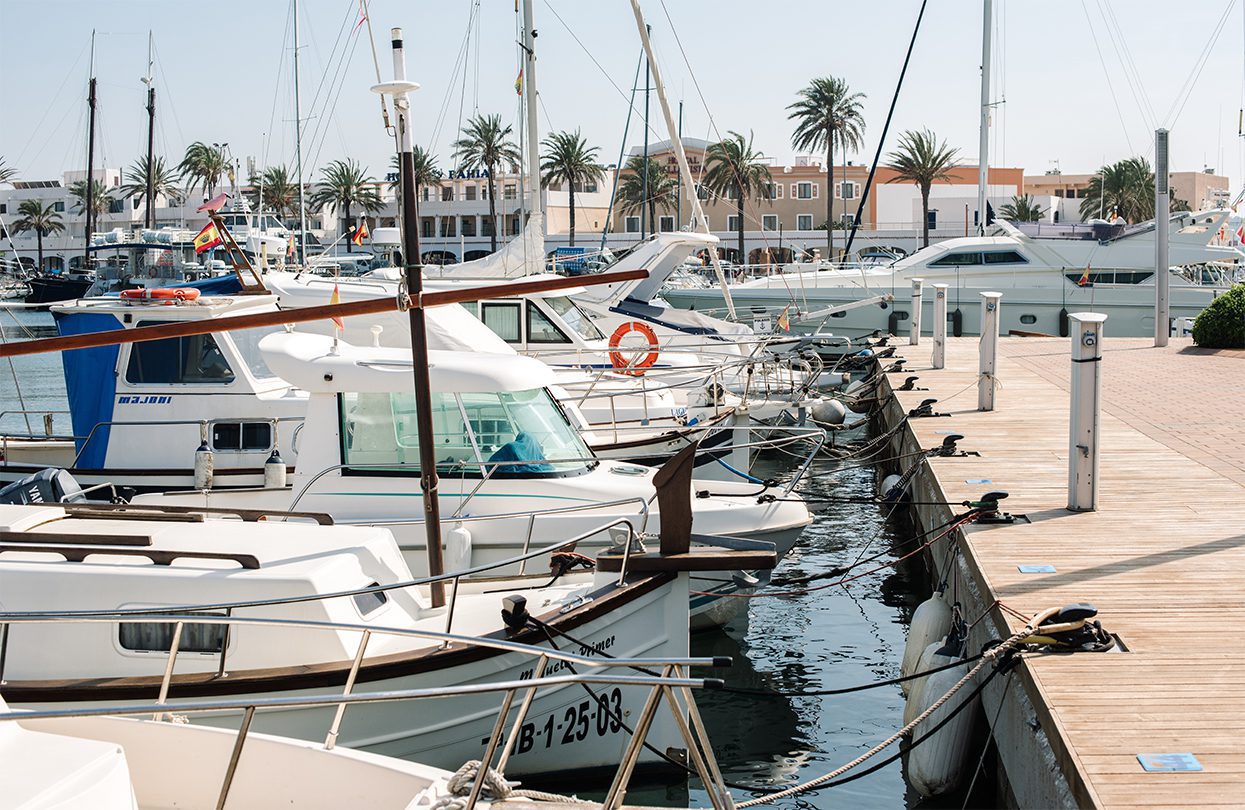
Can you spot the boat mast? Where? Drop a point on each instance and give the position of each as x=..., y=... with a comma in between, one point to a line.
x=699, y=221
x=89, y=197
x=149, y=218
x=428, y=481
x=298, y=150
x=644, y=223
x=983, y=151
x=530, y=100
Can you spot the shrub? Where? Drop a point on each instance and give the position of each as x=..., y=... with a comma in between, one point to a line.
x=1222, y=324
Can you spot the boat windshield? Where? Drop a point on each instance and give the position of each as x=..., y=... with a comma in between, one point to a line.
x=247, y=342
x=514, y=433
x=575, y=317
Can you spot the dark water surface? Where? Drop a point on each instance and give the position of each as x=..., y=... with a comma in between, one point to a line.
x=828, y=638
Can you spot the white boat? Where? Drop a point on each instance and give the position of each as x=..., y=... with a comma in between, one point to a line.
x=1043, y=271
x=129, y=606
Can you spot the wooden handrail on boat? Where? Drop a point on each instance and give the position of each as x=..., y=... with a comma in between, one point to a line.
x=370, y=306
x=155, y=511
x=77, y=552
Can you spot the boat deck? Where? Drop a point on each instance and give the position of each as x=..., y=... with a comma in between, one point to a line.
x=1162, y=559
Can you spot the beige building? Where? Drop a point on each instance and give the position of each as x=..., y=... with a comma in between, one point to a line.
x=1062, y=193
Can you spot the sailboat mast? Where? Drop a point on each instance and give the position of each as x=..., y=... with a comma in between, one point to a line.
x=88, y=198
x=644, y=223
x=983, y=152
x=298, y=148
x=428, y=479
x=149, y=218
x=530, y=101
x=699, y=222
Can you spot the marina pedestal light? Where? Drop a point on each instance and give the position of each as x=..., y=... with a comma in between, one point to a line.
x=1086, y=329
x=1162, y=222
x=988, y=350
x=939, y=358
x=914, y=336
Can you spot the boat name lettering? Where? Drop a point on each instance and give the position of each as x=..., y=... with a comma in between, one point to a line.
x=555, y=667
x=150, y=399
x=600, y=715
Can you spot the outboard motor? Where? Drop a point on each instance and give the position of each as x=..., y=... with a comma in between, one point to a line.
x=52, y=485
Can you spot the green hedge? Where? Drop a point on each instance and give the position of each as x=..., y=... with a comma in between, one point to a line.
x=1222, y=324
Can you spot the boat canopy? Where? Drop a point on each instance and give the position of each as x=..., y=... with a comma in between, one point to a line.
x=317, y=364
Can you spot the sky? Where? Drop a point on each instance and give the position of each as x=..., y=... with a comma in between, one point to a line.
x=1076, y=82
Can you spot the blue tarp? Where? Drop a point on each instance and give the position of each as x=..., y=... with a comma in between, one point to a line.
x=524, y=449
x=90, y=382
x=217, y=285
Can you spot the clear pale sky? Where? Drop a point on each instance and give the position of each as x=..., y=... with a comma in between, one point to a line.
x=223, y=75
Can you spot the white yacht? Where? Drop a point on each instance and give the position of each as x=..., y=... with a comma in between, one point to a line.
x=1043, y=271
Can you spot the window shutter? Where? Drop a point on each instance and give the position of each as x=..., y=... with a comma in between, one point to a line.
x=778, y=191
x=794, y=193
x=816, y=190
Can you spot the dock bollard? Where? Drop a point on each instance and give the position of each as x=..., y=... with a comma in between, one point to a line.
x=1083, y=416
x=939, y=358
x=988, y=350
x=914, y=322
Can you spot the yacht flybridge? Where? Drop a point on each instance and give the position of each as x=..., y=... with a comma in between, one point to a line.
x=1044, y=271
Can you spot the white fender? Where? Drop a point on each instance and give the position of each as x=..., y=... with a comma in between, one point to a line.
x=931, y=621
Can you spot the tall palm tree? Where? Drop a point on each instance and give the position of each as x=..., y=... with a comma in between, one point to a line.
x=485, y=144
x=280, y=192
x=827, y=114
x=426, y=171
x=921, y=159
x=632, y=196
x=203, y=165
x=99, y=200
x=733, y=168
x=164, y=181
x=346, y=183
x=1022, y=209
x=7, y=173
x=1125, y=187
x=569, y=160
x=40, y=218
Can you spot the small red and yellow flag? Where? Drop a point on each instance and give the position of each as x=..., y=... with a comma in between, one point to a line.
x=518, y=83
x=289, y=250
x=208, y=238
x=336, y=298
x=360, y=233
x=1084, y=279
x=784, y=322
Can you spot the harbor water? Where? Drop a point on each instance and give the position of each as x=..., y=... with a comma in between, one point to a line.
x=830, y=637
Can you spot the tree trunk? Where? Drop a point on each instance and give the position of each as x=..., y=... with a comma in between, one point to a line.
x=925, y=215
x=571, y=196
x=652, y=215
x=830, y=198
x=39, y=239
x=739, y=222
x=492, y=210
x=350, y=237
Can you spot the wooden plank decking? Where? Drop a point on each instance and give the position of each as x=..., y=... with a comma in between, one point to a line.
x=1163, y=559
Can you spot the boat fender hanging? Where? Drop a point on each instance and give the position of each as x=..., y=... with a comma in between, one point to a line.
x=937, y=766
x=1063, y=322
x=829, y=411
x=274, y=471
x=621, y=363
x=892, y=323
x=931, y=621
x=458, y=548
x=893, y=490
x=204, y=466
x=957, y=323
x=927, y=660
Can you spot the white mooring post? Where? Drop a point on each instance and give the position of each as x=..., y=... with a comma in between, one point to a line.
x=1086, y=332
x=1162, y=223
x=914, y=336
x=939, y=358
x=988, y=350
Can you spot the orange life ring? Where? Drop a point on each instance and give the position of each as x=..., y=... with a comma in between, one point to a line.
x=162, y=294
x=621, y=363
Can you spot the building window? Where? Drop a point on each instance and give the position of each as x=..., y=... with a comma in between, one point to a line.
x=509, y=191
x=425, y=228
x=4, y=209
x=805, y=191
x=804, y=222
x=633, y=225
x=769, y=222
x=58, y=206
x=447, y=193
x=731, y=193
x=732, y=222
x=447, y=227
x=469, y=226
x=931, y=219
x=772, y=191
x=702, y=193
x=469, y=193
x=847, y=190
x=515, y=225
x=486, y=226
x=665, y=224
x=427, y=194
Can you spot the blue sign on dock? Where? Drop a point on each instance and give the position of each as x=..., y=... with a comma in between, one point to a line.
x=1036, y=569
x=1168, y=763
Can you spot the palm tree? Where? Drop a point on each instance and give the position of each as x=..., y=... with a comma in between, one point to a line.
x=204, y=165
x=485, y=144
x=163, y=181
x=43, y=220
x=100, y=199
x=632, y=196
x=1125, y=187
x=280, y=192
x=921, y=159
x=732, y=168
x=7, y=173
x=426, y=171
x=827, y=113
x=346, y=183
x=1022, y=209
x=570, y=160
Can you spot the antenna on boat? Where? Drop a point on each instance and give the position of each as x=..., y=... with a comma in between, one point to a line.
x=88, y=197
x=298, y=149
x=400, y=89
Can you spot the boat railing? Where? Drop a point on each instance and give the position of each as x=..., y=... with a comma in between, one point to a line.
x=665, y=677
x=48, y=417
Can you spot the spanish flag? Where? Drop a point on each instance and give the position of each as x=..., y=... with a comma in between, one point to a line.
x=784, y=323
x=208, y=238
x=518, y=83
x=1084, y=279
x=335, y=299
x=360, y=233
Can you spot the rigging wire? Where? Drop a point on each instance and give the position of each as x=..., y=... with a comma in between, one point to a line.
x=1115, y=99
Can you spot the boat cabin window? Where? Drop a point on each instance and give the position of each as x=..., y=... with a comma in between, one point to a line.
x=241, y=436
x=1110, y=277
x=1004, y=257
x=513, y=433
x=574, y=317
x=157, y=638
x=371, y=601
x=958, y=259
x=247, y=343
x=540, y=329
x=502, y=319
x=193, y=359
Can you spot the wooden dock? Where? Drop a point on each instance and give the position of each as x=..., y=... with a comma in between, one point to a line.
x=1163, y=560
